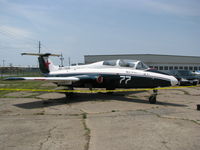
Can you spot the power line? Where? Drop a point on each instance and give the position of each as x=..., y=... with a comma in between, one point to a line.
x=19, y=44
x=6, y=32
x=47, y=48
x=13, y=36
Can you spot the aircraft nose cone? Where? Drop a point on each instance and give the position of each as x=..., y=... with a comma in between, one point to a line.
x=174, y=81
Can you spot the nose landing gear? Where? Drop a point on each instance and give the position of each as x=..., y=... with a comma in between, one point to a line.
x=152, y=98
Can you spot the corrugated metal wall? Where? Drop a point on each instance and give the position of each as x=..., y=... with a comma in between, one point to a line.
x=158, y=61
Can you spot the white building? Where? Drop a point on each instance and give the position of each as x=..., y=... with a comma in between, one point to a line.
x=160, y=62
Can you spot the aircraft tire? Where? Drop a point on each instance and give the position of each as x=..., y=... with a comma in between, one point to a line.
x=69, y=95
x=152, y=99
x=110, y=93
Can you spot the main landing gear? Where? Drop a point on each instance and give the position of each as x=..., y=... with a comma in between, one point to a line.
x=110, y=93
x=152, y=98
x=69, y=94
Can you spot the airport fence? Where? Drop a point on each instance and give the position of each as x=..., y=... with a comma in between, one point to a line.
x=18, y=71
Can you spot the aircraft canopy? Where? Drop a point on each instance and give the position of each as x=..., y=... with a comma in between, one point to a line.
x=136, y=64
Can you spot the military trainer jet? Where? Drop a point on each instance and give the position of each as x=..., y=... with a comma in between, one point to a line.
x=105, y=74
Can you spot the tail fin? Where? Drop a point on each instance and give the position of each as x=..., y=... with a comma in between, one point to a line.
x=46, y=66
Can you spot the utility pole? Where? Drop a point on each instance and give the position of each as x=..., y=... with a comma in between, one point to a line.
x=69, y=61
x=39, y=47
x=61, y=59
x=2, y=69
x=3, y=63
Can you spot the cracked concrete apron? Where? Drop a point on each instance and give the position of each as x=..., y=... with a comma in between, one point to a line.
x=96, y=122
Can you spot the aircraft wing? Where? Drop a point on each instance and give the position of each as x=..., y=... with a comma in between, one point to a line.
x=54, y=79
x=45, y=78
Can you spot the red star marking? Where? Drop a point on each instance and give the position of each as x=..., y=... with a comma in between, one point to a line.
x=46, y=64
x=100, y=79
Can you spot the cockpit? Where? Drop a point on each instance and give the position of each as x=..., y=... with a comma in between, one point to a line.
x=134, y=64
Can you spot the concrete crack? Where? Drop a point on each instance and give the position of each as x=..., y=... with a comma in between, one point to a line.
x=163, y=142
x=175, y=118
x=193, y=121
x=87, y=131
x=47, y=138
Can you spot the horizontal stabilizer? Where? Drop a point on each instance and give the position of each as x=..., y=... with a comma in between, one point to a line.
x=41, y=54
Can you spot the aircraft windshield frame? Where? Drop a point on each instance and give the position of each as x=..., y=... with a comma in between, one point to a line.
x=110, y=62
x=141, y=66
x=127, y=63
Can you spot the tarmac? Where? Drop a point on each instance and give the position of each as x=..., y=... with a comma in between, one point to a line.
x=98, y=121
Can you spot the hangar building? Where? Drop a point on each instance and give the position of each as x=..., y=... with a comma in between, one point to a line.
x=160, y=62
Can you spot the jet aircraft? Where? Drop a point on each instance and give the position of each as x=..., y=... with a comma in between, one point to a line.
x=109, y=74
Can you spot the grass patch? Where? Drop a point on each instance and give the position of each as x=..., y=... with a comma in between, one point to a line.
x=115, y=111
x=39, y=113
x=21, y=85
x=87, y=131
x=84, y=115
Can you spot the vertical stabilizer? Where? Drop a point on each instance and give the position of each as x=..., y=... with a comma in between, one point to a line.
x=45, y=65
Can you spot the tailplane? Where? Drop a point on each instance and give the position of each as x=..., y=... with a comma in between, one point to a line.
x=45, y=65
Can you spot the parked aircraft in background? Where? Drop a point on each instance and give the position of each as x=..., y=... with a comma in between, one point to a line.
x=197, y=73
x=105, y=74
x=185, y=77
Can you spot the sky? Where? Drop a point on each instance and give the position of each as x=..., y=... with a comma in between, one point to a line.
x=96, y=27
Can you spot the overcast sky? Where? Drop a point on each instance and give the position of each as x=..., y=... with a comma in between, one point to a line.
x=86, y=27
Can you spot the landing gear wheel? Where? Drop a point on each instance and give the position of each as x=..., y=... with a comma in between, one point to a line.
x=152, y=99
x=110, y=93
x=69, y=95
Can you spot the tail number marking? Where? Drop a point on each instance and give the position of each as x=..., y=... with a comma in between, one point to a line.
x=125, y=79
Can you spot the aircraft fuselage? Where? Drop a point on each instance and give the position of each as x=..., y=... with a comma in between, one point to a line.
x=111, y=78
